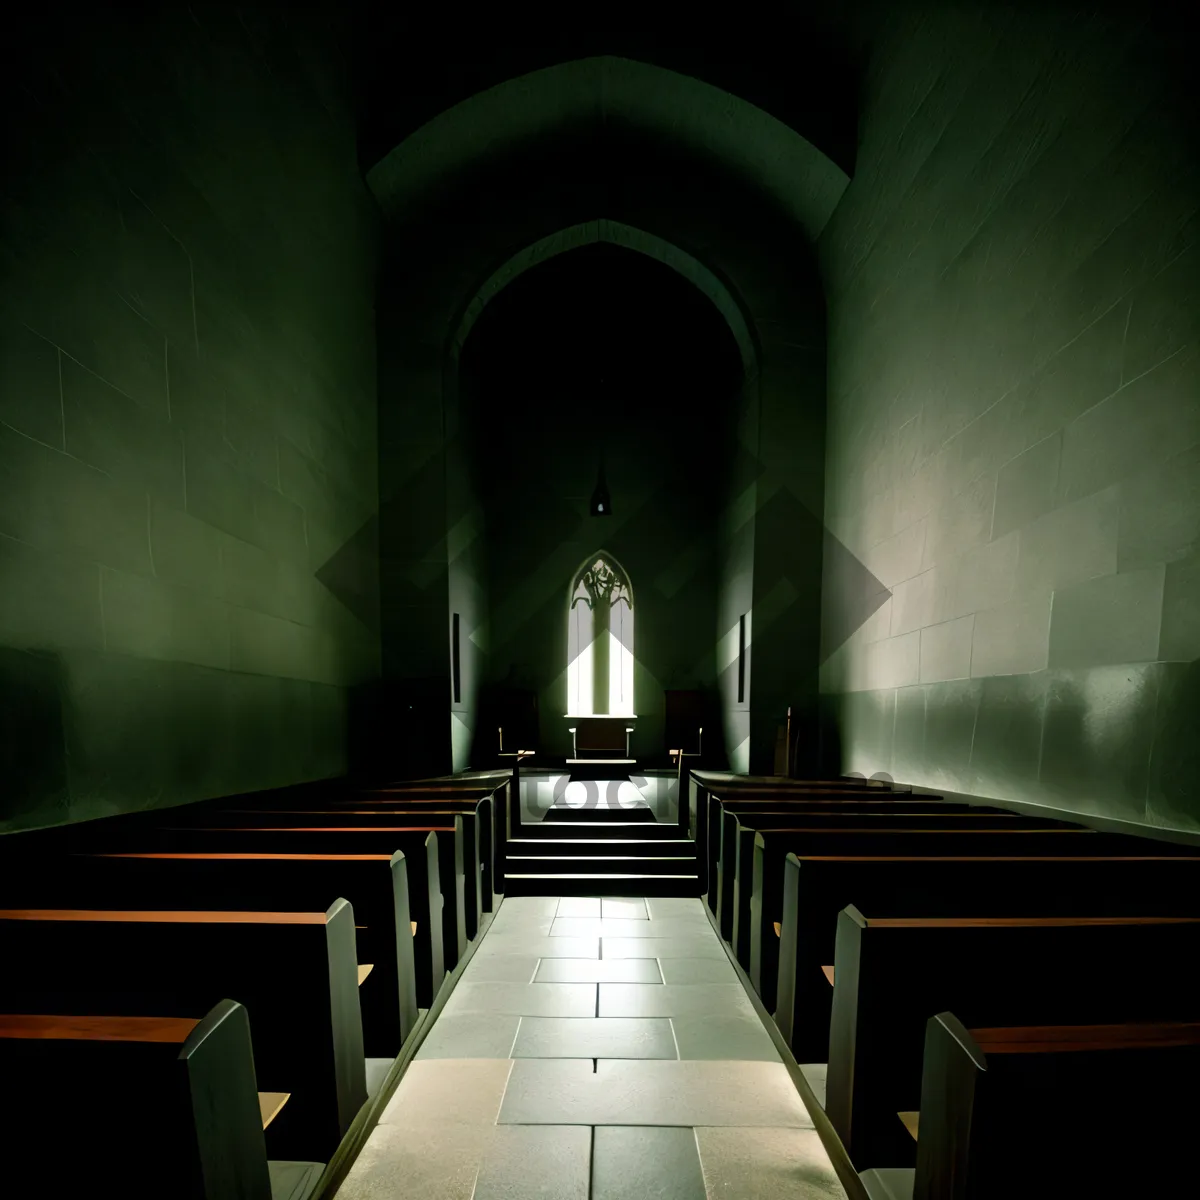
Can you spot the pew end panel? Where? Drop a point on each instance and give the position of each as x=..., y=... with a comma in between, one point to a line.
x=219, y=1061
x=742, y=892
x=406, y=968
x=295, y=973
x=169, y=1105
x=435, y=906
x=843, y=1023
x=893, y=971
x=712, y=858
x=786, y=952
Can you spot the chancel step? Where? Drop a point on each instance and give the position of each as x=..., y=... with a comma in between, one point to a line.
x=574, y=830
x=603, y=885
x=600, y=864
x=601, y=849
x=675, y=847
x=586, y=814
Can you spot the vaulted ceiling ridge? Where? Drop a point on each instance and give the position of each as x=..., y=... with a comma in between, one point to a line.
x=610, y=91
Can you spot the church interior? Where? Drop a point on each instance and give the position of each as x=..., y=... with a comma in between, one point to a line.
x=576, y=533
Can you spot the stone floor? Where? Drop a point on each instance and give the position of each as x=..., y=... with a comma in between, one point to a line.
x=599, y=1049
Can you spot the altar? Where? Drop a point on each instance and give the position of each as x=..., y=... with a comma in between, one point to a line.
x=600, y=747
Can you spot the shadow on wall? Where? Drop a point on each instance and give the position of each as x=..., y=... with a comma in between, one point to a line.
x=1175, y=760
x=33, y=760
x=1116, y=742
x=829, y=749
x=367, y=720
x=399, y=729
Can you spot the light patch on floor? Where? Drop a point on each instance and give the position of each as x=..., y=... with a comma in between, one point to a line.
x=596, y=1050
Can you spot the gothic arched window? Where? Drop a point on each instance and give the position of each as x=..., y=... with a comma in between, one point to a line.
x=600, y=640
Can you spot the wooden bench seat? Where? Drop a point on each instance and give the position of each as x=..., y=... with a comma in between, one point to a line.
x=703, y=783
x=486, y=830
x=409, y=840
x=892, y=972
x=295, y=974
x=1049, y=1112
x=706, y=789
x=480, y=799
x=478, y=833
x=107, y=1137
x=817, y=889
x=727, y=851
x=771, y=846
x=408, y=969
x=270, y=1105
x=735, y=868
x=489, y=795
x=476, y=837
x=450, y=849
x=720, y=802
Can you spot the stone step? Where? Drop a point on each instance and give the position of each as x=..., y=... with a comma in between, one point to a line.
x=600, y=863
x=572, y=847
x=602, y=884
x=565, y=814
x=600, y=829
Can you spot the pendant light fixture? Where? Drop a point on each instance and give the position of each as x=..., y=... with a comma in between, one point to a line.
x=601, y=505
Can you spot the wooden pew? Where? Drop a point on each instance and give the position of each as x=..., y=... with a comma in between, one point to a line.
x=142, y=1107
x=445, y=909
x=457, y=826
x=733, y=823
x=724, y=852
x=488, y=801
x=701, y=783
x=893, y=972
x=481, y=793
x=720, y=802
x=479, y=840
x=478, y=896
x=736, y=890
x=1045, y=1113
x=409, y=840
x=504, y=788
x=771, y=846
x=818, y=887
x=295, y=973
x=408, y=964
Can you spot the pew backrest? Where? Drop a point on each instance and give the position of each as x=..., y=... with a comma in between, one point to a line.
x=296, y=973
x=893, y=973
x=161, y=1105
x=1047, y=1112
x=816, y=888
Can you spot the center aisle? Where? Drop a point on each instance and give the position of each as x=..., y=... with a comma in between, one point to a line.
x=600, y=1049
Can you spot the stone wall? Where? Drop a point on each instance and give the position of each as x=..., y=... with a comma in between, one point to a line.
x=1014, y=416
x=188, y=590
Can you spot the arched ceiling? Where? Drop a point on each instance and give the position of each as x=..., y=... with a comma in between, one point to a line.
x=807, y=82
x=746, y=142
x=611, y=321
